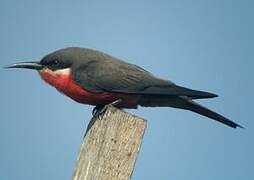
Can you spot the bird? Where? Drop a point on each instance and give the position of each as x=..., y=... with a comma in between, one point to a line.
x=92, y=77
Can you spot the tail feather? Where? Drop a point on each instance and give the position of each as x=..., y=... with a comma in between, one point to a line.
x=187, y=104
x=197, y=108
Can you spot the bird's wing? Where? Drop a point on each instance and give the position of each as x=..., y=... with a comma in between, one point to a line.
x=121, y=77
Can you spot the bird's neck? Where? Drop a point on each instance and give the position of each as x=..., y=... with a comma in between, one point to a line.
x=58, y=78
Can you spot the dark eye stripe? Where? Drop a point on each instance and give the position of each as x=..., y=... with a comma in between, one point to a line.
x=55, y=63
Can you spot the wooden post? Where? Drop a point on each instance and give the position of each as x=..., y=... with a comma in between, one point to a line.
x=110, y=146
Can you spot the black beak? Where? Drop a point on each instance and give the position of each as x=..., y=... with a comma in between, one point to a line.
x=26, y=65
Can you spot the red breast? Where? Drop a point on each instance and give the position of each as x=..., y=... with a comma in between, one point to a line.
x=63, y=82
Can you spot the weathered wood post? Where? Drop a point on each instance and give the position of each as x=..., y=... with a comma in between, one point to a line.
x=110, y=146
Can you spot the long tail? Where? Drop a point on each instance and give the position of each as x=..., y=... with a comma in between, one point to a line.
x=187, y=104
x=195, y=107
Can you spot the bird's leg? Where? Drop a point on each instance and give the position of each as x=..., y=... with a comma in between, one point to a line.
x=99, y=109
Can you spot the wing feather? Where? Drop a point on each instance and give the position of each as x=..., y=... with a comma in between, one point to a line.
x=113, y=75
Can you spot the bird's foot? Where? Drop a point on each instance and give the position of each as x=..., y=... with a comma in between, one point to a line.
x=96, y=109
x=99, y=109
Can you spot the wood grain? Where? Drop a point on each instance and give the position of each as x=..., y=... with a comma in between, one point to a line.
x=110, y=146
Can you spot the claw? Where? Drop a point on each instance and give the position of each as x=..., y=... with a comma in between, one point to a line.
x=96, y=109
x=99, y=109
x=116, y=102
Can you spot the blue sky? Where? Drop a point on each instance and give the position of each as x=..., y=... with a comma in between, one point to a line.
x=201, y=44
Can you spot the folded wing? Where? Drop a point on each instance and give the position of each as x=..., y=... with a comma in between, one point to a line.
x=120, y=77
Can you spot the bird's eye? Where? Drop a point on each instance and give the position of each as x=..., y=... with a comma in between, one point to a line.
x=55, y=62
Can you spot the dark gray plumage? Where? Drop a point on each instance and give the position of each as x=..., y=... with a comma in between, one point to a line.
x=98, y=72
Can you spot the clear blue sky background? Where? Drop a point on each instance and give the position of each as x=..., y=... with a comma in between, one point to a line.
x=202, y=44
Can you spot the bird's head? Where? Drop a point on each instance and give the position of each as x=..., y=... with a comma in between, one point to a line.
x=58, y=60
x=56, y=64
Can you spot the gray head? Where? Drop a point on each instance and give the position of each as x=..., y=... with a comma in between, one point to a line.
x=63, y=58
